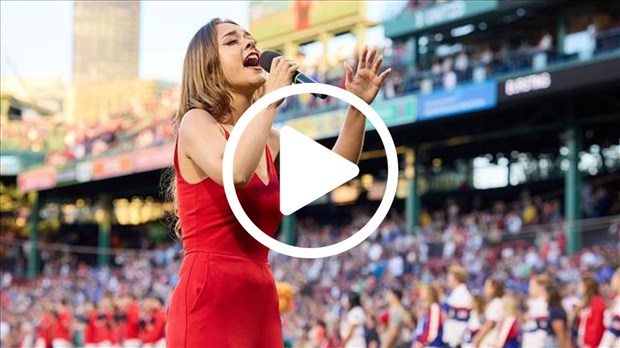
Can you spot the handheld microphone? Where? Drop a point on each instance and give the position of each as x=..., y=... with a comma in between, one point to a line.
x=267, y=57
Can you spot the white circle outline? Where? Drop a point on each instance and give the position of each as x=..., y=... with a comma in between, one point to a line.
x=325, y=251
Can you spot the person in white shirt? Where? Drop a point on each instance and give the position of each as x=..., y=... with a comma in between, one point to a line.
x=537, y=316
x=546, y=42
x=449, y=80
x=476, y=316
x=459, y=305
x=462, y=62
x=611, y=337
x=5, y=329
x=352, y=328
x=493, y=315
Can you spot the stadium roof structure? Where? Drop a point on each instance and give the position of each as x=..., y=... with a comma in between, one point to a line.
x=12, y=107
x=456, y=14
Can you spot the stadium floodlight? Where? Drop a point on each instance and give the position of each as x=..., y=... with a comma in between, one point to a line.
x=462, y=30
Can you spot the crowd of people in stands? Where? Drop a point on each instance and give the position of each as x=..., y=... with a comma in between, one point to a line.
x=72, y=304
x=475, y=62
x=391, y=290
x=138, y=127
x=63, y=142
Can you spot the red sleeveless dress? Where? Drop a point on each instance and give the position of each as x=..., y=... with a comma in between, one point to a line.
x=226, y=294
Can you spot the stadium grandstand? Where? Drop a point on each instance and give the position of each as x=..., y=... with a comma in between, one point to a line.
x=505, y=116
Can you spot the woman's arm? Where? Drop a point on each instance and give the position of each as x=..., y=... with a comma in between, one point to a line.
x=594, y=333
x=559, y=329
x=201, y=139
x=351, y=139
x=349, y=334
x=364, y=84
x=392, y=336
x=484, y=330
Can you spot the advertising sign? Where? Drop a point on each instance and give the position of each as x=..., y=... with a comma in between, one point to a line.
x=67, y=175
x=462, y=99
x=328, y=124
x=112, y=166
x=269, y=19
x=540, y=83
x=435, y=15
x=154, y=158
x=37, y=179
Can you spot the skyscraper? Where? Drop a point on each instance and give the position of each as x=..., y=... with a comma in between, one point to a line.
x=105, y=59
x=105, y=41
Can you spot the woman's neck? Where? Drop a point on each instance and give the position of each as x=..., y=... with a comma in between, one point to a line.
x=240, y=103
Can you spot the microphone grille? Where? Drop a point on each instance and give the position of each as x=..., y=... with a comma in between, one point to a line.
x=266, y=58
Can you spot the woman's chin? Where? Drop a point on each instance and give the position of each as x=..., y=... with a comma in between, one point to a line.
x=258, y=81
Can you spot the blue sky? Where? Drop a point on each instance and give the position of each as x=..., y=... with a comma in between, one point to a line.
x=36, y=36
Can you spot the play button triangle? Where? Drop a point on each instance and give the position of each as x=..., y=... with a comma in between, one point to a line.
x=308, y=170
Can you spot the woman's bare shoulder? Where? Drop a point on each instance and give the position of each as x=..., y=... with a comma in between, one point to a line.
x=197, y=122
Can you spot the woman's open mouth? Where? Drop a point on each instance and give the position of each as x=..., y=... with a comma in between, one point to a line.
x=252, y=62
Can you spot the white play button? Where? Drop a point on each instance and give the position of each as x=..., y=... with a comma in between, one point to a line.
x=308, y=170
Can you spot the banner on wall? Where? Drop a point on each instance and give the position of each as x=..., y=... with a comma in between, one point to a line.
x=540, y=83
x=66, y=175
x=462, y=99
x=270, y=19
x=36, y=180
x=393, y=112
x=112, y=166
x=435, y=15
x=153, y=159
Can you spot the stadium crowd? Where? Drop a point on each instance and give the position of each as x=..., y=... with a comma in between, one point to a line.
x=139, y=126
x=471, y=62
x=395, y=282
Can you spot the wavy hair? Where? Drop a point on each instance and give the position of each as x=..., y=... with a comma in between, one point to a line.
x=204, y=87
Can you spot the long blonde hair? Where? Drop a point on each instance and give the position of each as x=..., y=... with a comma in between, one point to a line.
x=204, y=87
x=511, y=307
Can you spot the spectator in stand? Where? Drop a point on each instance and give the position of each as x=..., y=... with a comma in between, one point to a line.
x=371, y=335
x=611, y=337
x=352, y=328
x=449, y=80
x=103, y=322
x=398, y=319
x=493, y=314
x=90, y=332
x=448, y=75
x=475, y=320
x=557, y=327
x=514, y=223
x=429, y=331
x=486, y=56
x=537, y=316
x=45, y=327
x=63, y=334
x=508, y=329
x=131, y=313
x=5, y=330
x=461, y=64
x=153, y=334
x=458, y=307
x=546, y=41
x=591, y=314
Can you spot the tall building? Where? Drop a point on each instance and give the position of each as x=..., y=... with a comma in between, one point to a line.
x=105, y=41
x=105, y=59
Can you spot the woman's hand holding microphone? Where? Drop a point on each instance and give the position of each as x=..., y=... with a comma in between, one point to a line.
x=281, y=75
